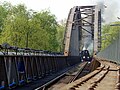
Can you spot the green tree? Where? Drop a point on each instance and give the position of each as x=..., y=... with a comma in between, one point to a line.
x=109, y=34
x=20, y=25
x=3, y=15
x=15, y=26
x=45, y=22
x=60, y=34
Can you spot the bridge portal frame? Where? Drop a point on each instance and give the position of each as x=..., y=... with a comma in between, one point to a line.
x=79, y=19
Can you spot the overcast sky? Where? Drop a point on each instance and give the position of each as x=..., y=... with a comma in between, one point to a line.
x=61, y=7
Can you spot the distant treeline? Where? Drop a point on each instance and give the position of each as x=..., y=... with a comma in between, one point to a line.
x=27, y=28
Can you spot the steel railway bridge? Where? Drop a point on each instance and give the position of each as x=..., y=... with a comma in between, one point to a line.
x=29, y=69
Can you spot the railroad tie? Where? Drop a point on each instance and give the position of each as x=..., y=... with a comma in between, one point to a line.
x=118, y=80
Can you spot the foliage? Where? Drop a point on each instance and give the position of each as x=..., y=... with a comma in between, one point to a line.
x=110, y=33
x=60, y=34
x=17, y=24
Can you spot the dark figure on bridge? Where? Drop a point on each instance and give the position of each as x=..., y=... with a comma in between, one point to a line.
x=21, y=69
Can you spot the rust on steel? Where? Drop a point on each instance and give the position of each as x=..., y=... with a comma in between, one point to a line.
x=83, y=22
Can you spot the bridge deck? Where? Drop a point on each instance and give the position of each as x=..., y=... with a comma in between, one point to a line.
x=99, y=79
x=108, y=83
x=41, y=82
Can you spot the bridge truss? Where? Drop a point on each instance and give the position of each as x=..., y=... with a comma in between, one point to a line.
x=83, y=25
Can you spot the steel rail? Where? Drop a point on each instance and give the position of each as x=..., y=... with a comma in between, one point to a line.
x=98, y=77
x=43, y=87
x=79, y=72
x=50, y=83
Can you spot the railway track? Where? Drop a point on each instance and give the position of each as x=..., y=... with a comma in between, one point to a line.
x=66, y=77
x=105, y=77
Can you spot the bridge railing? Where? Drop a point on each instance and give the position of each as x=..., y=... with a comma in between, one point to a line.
x=112, y=52
x=17, y=70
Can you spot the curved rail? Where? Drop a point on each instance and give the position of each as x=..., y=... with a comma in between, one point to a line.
x=99, y=79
